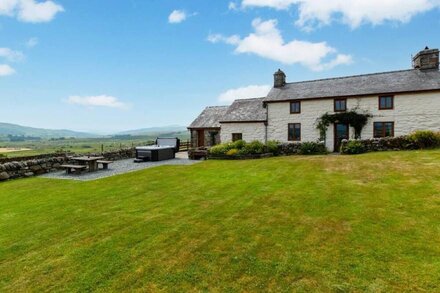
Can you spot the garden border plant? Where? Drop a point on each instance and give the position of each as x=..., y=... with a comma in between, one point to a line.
x=256, y=149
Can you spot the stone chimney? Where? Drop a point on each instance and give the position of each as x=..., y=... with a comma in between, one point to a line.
x=426, y=59
x=279, y=79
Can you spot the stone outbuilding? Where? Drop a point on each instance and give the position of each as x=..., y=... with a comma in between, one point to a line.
x=205, y=129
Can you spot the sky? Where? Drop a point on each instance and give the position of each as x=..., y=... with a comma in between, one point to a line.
x=105, y=66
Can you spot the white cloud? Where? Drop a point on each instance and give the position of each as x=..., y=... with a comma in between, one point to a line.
x=11, y=55
x=277, y=4
x=232, y=6
x=252, y=91
x=7, y=7
x=267, y=42
x=30, y=10
x=352, y=12
x=217, y=38
x=177, y=16
x=97, y=101
x=32, y=42
x=6, y=70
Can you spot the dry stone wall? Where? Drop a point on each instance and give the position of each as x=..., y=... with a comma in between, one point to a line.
x=14, y=170
x=51, y=163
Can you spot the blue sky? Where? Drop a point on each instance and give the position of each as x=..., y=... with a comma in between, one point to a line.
x=108, y=65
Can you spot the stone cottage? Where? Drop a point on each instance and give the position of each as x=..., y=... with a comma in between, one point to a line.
x=397, y=103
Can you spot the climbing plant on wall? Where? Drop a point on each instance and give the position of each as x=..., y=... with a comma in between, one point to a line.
x=352, y=118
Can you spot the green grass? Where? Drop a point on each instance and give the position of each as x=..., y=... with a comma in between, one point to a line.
x=368, y=223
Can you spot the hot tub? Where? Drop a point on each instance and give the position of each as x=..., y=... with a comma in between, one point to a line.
x=163, y=149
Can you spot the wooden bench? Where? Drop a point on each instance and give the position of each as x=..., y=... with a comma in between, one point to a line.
x=76, y=168
x=104, y=164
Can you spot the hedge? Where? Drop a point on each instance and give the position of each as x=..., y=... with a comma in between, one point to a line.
x=255, y=149
x=423, y=139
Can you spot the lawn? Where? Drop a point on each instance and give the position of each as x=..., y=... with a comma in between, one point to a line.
x=326, y=223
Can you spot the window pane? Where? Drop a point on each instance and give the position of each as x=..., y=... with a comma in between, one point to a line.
x=378, y=129
x=389, y=102
x=236, y=136
x=340, y=105
x=383, y=129
x=294, y=132
x=295, y=107
x=290, y=134
x=297, y=132
x=386, y=102
x=389, y=129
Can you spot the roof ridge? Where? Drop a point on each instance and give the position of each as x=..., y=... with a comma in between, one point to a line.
x=217, y=107
x=350, y=76
x=249, y=99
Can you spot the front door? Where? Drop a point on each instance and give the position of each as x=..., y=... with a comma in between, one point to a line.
x=200, y=138
x=341, y=132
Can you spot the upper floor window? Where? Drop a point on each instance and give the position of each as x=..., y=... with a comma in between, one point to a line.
x=237, y=136
x=383, y=129
x=386, y=102
x=295, y=107
x=294, y=132
x=340, y=105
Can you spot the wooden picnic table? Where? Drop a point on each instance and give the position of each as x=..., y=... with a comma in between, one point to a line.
x=92, y=162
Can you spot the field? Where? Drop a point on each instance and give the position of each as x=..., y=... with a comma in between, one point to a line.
x=13, y=150
x=367, y=223
x=78, y=145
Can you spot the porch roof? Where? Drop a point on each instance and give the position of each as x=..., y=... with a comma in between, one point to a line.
x=210, y=117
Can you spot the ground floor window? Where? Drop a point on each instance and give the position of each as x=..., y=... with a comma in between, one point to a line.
x=213, y=136
x=383, y=129
x=237, y=136
x=294, y=132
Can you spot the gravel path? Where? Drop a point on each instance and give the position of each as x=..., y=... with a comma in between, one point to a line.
x=119, y=167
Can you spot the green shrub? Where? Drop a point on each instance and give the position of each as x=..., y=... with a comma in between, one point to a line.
x=254, y=147
x=312, y=148
x=272, y=147
x=232, y=152
x=425, y=139
x=353, y=147
x=220, y=149
x=239, y=144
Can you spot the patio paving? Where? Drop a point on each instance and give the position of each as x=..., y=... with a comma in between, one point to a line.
x=120, y=167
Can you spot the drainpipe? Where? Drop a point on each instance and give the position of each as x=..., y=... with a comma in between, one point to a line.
x=266, y=122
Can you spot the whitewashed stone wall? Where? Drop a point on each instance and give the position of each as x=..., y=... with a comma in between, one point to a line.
x=411, y=112
x=279, y=117
x=250, y=131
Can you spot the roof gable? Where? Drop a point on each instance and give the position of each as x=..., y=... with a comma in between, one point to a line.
x=210, y=117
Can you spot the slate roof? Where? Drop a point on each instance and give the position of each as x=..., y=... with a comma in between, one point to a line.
x=210, y=117
x=368, y=84
x=245, y=110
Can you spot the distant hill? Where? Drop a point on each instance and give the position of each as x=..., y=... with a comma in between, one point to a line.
x=155, y=130
x=18, y=130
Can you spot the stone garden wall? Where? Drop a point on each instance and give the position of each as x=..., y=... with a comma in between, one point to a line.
x=19, y=168
x=14, y=170
x=399, y=143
